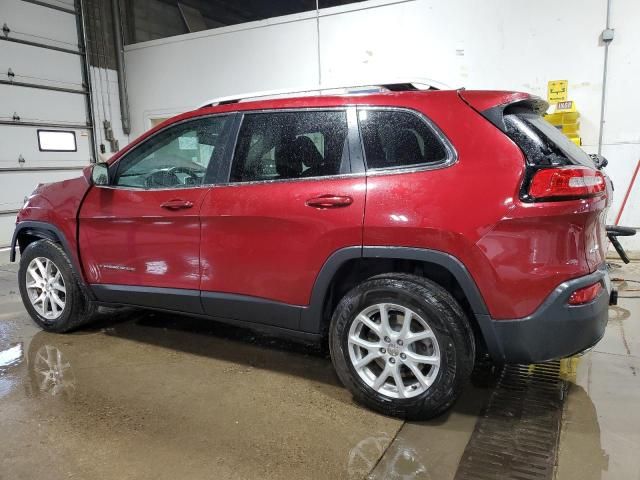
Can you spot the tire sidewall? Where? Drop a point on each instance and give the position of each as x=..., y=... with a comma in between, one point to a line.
x=400, y=292
x=47, y=249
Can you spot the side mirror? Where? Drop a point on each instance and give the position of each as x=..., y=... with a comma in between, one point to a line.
x=100, y=174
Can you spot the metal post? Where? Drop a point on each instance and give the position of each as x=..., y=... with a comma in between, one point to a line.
x=606, y=41
x=86, y=77
x=122, y=86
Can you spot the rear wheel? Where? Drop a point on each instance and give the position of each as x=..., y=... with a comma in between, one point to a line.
x=50, y=290
x=402, y=345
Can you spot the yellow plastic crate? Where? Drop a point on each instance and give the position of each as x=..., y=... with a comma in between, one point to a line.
x=554, y=118
x=562, y=118
x=568, y=128
x=575, y=139
x=570, y=117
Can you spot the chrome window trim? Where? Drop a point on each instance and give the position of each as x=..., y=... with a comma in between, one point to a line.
x=282, y=180
x=452, y=154
x=116, y=164
x=142, y=189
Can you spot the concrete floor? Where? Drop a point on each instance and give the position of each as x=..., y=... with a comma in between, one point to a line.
x=143, y=395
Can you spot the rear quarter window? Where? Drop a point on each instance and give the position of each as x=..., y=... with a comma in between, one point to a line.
x=542, y=143
x=398, y=139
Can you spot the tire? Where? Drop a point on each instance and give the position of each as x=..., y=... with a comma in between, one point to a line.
x=434, y=315
x=77, y=309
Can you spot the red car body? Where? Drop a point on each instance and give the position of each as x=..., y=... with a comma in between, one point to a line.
x=260, y=250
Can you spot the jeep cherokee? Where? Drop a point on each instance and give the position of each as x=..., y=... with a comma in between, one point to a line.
x=412, y=229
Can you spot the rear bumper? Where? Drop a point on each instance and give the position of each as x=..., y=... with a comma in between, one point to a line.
x=556, y=329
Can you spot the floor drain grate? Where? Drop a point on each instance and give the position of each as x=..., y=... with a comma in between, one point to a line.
x=516, y=437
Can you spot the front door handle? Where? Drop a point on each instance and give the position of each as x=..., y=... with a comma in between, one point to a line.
x=329, y=201
x=177, y=204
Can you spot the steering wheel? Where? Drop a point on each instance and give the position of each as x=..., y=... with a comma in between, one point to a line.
x=169, y=177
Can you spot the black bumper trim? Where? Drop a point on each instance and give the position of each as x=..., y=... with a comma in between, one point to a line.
x=556, y=329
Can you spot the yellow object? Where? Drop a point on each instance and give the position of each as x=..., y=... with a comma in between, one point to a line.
x=561, y=118
x=554, y=118
x=563, y=114
x=570, y=128
x=569, y=368
x=557, y=91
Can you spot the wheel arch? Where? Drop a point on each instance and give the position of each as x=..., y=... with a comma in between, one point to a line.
x=30, y=231
x=349, y=266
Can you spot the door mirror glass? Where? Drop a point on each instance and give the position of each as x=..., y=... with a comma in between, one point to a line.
x=100, y=174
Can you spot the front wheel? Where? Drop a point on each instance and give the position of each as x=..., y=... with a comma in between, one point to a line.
x=49, y=289
x=402, y=345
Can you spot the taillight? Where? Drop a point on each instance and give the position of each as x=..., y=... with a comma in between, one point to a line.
x=566, y=182
x=585, y=295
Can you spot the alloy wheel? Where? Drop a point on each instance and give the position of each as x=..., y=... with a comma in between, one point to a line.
x=45, y=288
x=394, y=350
x=53, y=372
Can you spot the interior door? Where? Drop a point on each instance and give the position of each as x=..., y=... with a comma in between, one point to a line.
x=140, y=236
x=293, y=199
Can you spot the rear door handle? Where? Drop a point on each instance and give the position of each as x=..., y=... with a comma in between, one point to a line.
x=329, y=201
x=177, y=204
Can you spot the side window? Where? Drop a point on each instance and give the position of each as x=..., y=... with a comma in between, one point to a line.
x=394, y=138
x=177, y=157
x=288, y=145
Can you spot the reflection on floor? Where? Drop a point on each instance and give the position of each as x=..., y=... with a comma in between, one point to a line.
x=142, y=395
x=601, y=428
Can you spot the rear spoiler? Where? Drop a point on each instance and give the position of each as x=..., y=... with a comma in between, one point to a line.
x=492, y=104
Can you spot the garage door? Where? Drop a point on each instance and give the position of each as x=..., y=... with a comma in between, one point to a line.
x=45, y=115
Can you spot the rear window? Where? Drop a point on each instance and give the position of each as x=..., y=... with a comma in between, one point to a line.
x=395, y=139
x=542, y=143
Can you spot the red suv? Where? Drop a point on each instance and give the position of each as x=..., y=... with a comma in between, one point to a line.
x=412, y=228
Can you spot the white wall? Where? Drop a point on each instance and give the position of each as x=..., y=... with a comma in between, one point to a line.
x=622, y=129
x=169, y=77
x=494, y=44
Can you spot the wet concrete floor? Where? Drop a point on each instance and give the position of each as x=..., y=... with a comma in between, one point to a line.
x=152, y=396
x=600, y=436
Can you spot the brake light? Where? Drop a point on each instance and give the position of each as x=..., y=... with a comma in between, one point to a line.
x=585, y=295
x=563, y=182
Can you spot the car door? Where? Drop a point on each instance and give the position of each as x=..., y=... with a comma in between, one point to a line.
x=295, y=196
x=140, y=235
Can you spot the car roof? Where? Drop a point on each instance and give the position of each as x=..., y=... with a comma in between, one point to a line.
x=387, y=98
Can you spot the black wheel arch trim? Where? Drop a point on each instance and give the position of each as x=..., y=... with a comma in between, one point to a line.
x=312, y=317
x=443, y=259
x=48, y=231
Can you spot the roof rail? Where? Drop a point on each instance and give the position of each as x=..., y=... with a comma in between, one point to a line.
x=392, y=86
